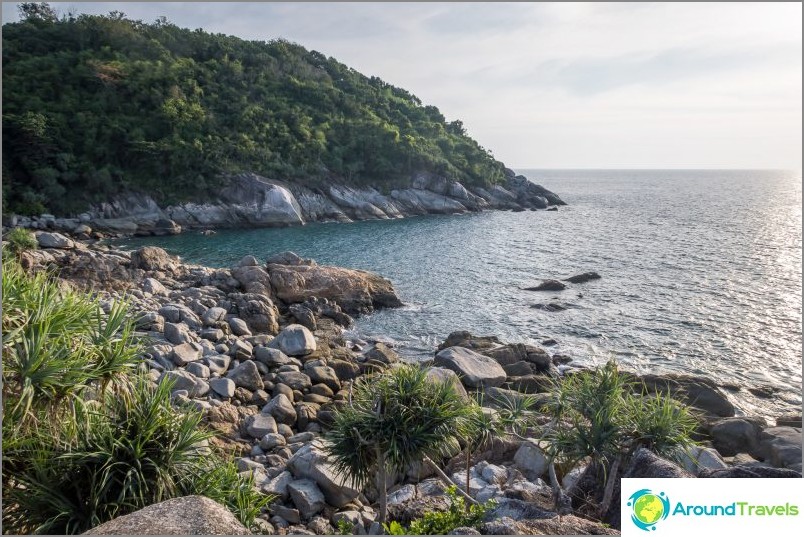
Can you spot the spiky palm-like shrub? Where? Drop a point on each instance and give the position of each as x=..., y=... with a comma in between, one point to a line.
x=83, y=441
x=394, y=419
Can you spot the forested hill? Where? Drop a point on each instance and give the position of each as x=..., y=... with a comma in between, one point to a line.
x=97, y=105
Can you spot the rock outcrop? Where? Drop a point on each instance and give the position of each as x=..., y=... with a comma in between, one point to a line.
x=188, y=515
x=249, y=200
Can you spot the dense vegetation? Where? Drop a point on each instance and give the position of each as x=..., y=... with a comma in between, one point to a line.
x=86, y=439
x=95, y=105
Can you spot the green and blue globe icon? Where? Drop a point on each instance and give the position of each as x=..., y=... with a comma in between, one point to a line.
x=648, y=508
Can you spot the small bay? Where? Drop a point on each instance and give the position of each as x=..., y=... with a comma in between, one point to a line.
x=701, y=273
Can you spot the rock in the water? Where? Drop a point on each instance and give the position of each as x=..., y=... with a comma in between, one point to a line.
x=53, y=240
x=295, y=340
x=311, y=462
x=475, y=370
x=188, y=515
x=151, y=258
x=583, y=278
x=307, y=497
x=247, y=376
x=356, y=291
x=548, y=285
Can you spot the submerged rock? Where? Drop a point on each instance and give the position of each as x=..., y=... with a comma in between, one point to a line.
x=547, y=285
x=583, y=278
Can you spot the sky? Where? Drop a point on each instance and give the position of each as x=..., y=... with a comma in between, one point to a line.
x=559, y=85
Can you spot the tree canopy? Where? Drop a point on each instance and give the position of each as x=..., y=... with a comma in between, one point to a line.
x=97, y=105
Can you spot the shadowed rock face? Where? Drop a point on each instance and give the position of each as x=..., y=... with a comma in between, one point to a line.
x=189, y=515
x=249, y=200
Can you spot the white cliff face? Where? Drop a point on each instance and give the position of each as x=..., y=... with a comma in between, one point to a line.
x=249, y=200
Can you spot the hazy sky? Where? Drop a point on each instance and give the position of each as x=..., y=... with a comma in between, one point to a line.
x=642, y=85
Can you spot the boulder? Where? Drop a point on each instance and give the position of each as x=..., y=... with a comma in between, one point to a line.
x=698, y=458
x=547, y=285
x=223, y=387
x=281, y=408
x=531, y=460
x=257, y=310
x=271, y=357
x=382, y=353
x=185, y=353
x=475, y=370
x=294, y=379
x=259, y=425
x=700, y=392
x=188, y=515
x=213, y=316
x=583, y=278
x=295, y=340
x=355, y=291
x=752, y=472
x=646, y=464
x=278, y=485
x=735, y=435
x=307, y=497
x=53, y=240
x=176, y=333
x=247, y=376
x=182, y=380
x=462, y=338
x=780, y=447
x=304, y=316
x=324, y=375
x=444, y=375
x=311, y=462
x=151, y=258
x=154, y=286
x=239, y=327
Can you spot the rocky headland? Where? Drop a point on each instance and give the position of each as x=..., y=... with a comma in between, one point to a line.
x=260, y=349
x=249, y=200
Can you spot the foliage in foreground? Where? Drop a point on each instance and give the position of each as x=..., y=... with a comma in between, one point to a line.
x=395, y=419
x=83, y=441
x=603, y=415
x=19, y=240
x=459, y=515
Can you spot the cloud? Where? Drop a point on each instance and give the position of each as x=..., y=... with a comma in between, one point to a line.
x=561, y=85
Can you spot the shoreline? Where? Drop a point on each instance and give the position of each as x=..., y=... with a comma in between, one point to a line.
x=263, y=354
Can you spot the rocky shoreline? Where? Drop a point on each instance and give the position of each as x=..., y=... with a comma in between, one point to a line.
x=260, y=349
x=249, y=200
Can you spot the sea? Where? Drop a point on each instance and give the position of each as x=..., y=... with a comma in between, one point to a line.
x=700, y=274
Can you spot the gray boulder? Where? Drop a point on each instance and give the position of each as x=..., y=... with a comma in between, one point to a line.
x=239, y=327
x=281, y=408
x=53, y=240
x=188, y=515
x=295, y=340
x=324, y=375
x=185, y=353
x=475, y=370
x=294, y=379
x=781, y=447
x=531, y=460
x=645, y=463
x=311, y=462
x=444, y=375
x=307, y=497
x=223, y=387
x=271, y=357
x=259, y=425
x=735, y=435
x=213, y=315
x=185, y=381
x=247, y=376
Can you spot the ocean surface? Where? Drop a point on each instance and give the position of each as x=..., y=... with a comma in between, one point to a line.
x=701, y=273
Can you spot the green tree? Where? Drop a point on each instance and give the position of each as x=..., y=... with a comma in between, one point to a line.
x=392, y=420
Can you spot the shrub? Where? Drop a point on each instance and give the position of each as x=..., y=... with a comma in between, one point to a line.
x=83, y=442
x=392, y=420
x=458, y=515
x=20, y=239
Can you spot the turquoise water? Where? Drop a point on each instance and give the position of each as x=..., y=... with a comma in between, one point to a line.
x=701, y=272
